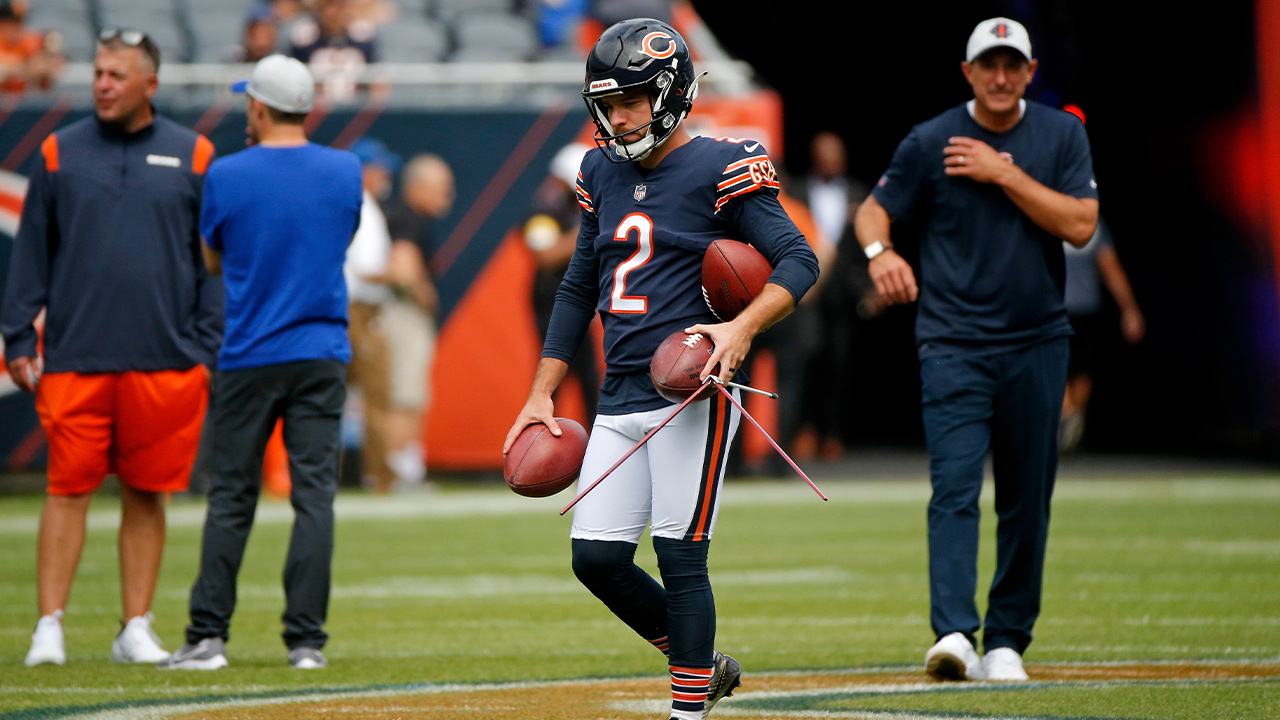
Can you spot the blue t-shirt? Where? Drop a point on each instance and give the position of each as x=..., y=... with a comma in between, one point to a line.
x=282, y=217
x=639, y=255
x=990, y=279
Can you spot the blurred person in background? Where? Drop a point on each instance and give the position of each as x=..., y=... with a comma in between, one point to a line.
x=998, y=184
x=108, y=247
x=831, y=196
x=28, y=59
x=427, y=193
x=369, y=291
x=551, y=233
x=1086, y=266
x=261, y=35
x=335, y=46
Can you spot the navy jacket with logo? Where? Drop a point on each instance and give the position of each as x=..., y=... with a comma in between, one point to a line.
x=109, y=245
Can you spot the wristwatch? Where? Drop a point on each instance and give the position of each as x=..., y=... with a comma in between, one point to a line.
x=875, y=249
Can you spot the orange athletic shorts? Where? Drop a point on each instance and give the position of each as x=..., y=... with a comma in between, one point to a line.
x=142, y=426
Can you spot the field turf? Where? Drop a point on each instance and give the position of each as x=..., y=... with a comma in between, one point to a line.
x=1162, y=600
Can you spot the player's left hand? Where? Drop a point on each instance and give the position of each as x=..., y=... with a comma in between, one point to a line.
x=732, y=342
x=976, y=160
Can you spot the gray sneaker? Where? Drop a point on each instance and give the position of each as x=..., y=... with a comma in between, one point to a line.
x=307, y=658
x=208, y=654
x=725, y=678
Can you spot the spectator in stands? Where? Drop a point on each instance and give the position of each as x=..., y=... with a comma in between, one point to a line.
x=377, y=12
x=369, y=292
x=336, y=47
x=132, y=322
x=261, y=34
x=1083, y=296
x=559, y=25
x=426, y=194
x=551, y=234
x=26, y=56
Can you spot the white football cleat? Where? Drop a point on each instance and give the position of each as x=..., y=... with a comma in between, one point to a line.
x=47, y=644
x=1004, y=665
x=953, y=658
x=137, y=643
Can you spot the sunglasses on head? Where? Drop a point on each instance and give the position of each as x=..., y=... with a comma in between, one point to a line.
x=132, y=38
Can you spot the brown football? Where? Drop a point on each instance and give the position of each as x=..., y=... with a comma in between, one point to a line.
x=540, y=464
x=677, y=363
x=733, y=273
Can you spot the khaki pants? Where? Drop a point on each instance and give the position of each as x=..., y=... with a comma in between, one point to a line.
x=370, y=370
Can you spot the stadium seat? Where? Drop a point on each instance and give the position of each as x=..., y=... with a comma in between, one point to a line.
x=158, y=18
x=72, y=19
x=216, y=26
x=494, y=37
x=413, y=40
x=450, y=10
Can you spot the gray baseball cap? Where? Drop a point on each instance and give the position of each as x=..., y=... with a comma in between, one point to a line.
x=280, y=82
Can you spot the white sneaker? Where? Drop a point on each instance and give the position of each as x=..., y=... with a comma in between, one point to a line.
x=953, y=658
x=47, y=644
x=137, y=643
x=1004, y=665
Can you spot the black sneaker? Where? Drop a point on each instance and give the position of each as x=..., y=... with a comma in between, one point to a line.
x=725, y=678
x=208, y=654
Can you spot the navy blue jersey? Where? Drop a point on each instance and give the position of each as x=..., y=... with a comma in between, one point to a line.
x=639, y=255
x=990, y=278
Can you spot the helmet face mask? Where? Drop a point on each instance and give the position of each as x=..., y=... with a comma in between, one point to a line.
x=632, y=55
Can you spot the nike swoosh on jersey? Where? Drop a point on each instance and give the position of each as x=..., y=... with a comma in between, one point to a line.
x=752, y=147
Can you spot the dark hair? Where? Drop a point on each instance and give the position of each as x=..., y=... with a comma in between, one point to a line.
x=280, y=117
x=117, y=38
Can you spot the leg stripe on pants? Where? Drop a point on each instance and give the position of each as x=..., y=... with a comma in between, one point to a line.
x=712, y=466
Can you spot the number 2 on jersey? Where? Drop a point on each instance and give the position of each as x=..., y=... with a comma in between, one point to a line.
x=643, y=228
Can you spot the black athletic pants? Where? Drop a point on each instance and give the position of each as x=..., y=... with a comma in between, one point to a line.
x=309, y=396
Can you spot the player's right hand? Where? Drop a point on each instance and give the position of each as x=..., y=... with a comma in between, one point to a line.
x=894, y=279
x=537, y=409
x=25, y=372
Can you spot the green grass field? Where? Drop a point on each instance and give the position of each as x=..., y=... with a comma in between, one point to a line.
x=472, y=585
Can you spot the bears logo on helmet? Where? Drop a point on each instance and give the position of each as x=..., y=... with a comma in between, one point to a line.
x=648, y=49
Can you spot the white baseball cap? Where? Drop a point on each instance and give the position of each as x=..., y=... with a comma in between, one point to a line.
x=280, y=82
x=998, y=32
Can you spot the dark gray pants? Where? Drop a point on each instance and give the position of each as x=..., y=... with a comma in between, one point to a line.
x=309, y=396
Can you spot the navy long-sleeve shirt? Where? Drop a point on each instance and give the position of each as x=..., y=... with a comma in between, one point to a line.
x=109, y=245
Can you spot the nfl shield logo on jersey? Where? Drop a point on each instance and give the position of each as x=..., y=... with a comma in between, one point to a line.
x=640, y=192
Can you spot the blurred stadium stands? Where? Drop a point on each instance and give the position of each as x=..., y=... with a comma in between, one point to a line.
x=432, y=52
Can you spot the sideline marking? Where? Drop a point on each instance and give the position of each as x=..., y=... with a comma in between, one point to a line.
x=1163, y=675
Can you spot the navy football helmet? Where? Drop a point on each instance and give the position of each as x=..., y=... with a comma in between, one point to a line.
x=640, y=53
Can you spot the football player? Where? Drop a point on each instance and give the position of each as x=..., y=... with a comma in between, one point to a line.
x=653, y=199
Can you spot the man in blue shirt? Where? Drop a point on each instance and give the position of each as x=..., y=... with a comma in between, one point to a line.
x=276, y=221
x=997, y=184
